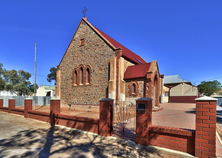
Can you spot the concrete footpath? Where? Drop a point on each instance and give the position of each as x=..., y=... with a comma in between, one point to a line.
x=20, y=137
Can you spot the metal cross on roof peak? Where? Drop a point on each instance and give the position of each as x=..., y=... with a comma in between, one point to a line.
x=84, y=11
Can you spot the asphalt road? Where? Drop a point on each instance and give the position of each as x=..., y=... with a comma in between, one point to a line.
x=20, y=137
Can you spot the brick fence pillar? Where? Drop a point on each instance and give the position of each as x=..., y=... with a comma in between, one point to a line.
x=54, y=108
x=106, y=117
x=143, y=120
x=27, y=107
x=205, y=136
x=1, y=102
x=11, y=104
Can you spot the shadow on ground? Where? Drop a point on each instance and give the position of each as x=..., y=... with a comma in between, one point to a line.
x=61, y=142
x=193, y=111
x=124, y=132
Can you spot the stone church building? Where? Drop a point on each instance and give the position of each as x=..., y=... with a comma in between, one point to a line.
x=95, y=66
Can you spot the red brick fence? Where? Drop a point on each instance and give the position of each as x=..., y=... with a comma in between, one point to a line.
x=200, y=142
x=100, y=126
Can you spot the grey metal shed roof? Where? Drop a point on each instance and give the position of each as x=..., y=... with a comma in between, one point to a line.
x=173, y=79
x=49, y=87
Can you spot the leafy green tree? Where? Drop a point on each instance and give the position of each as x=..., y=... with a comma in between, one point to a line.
x=1, y=69
x=17, y=81
x=52, y=75
x=2, y=81
x=210, y=87
x=2, y=84
x=31, y=87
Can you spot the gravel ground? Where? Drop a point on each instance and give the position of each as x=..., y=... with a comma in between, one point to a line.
x=20, y=137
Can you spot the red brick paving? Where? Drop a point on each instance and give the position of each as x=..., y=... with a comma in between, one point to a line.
x=178, y=115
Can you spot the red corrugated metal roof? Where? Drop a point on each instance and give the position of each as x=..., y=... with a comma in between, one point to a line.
x=136, y=71
x=128, y=54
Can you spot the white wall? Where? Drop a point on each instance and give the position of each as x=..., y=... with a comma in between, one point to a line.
x=184, y=89
x=41, y=91
x=7, y=93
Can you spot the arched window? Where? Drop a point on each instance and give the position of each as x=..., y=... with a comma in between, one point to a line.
x=75, y=77
x=87, y=76
x=81, y=75
x=134, y=88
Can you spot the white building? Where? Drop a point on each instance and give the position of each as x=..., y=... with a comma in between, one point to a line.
x=178, y=90
x=7, y=93
x=44, y=90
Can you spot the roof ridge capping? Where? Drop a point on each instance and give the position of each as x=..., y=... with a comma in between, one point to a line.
x=96, y=30
x=139, y=64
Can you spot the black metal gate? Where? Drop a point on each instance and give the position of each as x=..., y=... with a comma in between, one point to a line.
x=124, y=117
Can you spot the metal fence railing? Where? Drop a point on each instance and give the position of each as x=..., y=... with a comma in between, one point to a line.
x=19, y=100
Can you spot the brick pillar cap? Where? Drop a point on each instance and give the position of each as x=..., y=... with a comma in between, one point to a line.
x=205, y=98
x=106, y=99
x=11, y=98
x=28, y=98
x=54, y=99
x=143, y=99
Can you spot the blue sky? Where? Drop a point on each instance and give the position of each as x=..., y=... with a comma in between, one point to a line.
x=184, y=36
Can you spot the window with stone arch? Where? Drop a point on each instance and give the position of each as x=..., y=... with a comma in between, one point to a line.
x=133, y=88
x=88, y=75
x=81, y=76
x=75, y=77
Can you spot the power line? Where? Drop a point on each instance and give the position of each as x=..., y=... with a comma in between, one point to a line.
x=209, y=79
x=40, y=75
x=206, y=80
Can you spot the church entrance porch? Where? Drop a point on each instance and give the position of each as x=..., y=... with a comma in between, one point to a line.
x=124, y=118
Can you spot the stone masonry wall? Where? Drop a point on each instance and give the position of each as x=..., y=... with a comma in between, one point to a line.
x=126, y=64
x=95, y=53
x=141, y=89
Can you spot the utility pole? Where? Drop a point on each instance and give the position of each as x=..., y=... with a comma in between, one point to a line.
x=35, y=79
